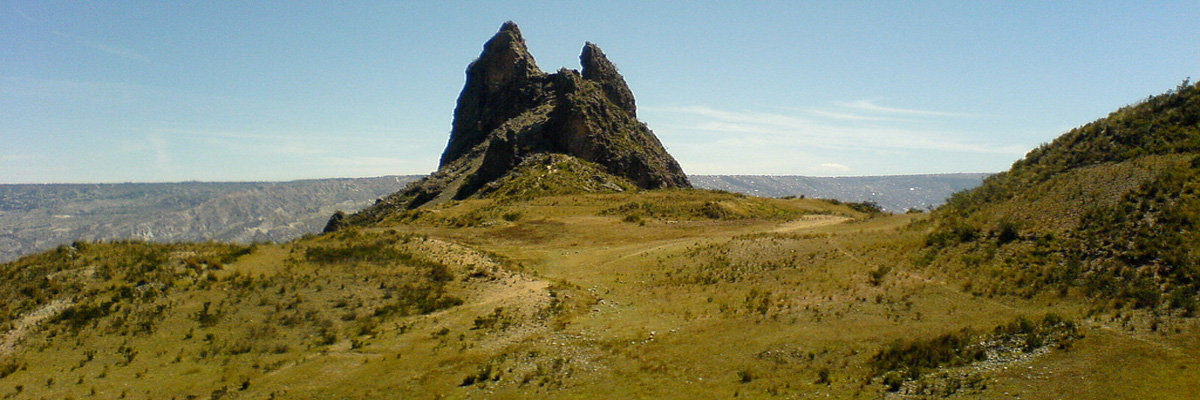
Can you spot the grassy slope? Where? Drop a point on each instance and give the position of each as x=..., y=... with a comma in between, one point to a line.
x=585, y=296
x=1107, y=210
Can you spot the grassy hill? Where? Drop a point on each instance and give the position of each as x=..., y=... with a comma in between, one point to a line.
x=664, y=294
x=1108, y=211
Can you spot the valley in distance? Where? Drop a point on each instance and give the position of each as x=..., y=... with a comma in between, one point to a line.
x=560, y=252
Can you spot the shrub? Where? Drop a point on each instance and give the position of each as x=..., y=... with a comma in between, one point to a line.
x=744, y=376
x=1007, y=232
x=7, y=368
x=868, y=207
x=823, y=376
x=877, y=274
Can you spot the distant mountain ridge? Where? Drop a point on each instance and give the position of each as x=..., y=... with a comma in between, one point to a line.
x=35, y=217
x=894, y=193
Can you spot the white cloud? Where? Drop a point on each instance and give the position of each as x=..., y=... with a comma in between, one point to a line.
x=868, y=105
x=846, y=115
x=16, y=157
x=769, y=129
x=832, y=167
x=103, y=47
x=158, y=146
x=110, y=49
x=24, y=15
x=832, y=140
x=107, y=92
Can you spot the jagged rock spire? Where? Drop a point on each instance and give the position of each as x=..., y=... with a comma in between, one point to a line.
x=493, y=91
x=510, y=112
x=510, y=109
x=597, y=68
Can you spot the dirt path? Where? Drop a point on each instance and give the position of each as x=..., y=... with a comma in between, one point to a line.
x=8, y=342
x=808, y=222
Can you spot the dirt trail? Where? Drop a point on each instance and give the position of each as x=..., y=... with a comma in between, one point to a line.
x=809, y=221
x=616, y=254
x=8, y=342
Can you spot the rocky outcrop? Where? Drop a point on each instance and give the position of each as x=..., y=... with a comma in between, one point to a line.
x=501, y=84
x=337, y=221
x=509, y=110
x=597, y=68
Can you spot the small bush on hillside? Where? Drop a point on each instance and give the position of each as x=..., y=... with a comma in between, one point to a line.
x=1007, y=231
x=904, y=360
x=8, y=368
x=867, y=207
x=876, y=275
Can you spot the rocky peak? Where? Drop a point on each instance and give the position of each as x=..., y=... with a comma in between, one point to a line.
x=498, y=84
x=597, y=68
x=511, y=114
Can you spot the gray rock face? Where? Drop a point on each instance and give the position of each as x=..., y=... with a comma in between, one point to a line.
x=597, y=68
x=510, y=110
x=500, y=83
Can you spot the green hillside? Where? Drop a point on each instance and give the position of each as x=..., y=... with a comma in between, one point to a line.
x=1109, y=210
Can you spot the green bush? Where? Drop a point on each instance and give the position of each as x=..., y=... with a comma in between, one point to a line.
x=8, y=368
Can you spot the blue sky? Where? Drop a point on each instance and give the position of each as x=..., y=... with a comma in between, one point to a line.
x=173, y=91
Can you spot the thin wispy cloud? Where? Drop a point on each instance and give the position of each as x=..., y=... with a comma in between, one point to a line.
x=103, y=47
x=24, y=15
x=771, y=129
x=833, y=167
x=868, y=105
x=26, y=87
x=16, y=157
x=298, y=142
x=93, y=44
x=158, y=147
x=234, y=143
x=846, y=116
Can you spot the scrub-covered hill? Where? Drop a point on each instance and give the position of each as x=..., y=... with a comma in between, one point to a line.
x=1109, y=210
